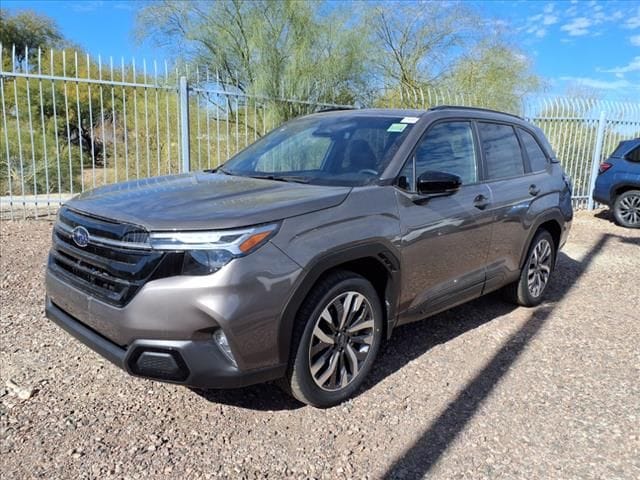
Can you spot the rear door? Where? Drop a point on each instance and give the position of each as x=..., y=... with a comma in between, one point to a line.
x=444, y=239
x=514, y=188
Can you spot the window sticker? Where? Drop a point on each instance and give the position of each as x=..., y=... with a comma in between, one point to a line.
x=397, y=127
x=410, y=120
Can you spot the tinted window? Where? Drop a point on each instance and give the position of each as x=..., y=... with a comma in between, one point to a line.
x=501, y=150
x=537, y=158
x=446, y=147
x=634, y=155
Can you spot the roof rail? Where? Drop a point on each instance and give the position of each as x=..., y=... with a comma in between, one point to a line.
x=335, y=109
x=459, y=107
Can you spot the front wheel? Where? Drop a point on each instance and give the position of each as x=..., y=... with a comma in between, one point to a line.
x=626, y=209
x=536, y=273
x=336, y=339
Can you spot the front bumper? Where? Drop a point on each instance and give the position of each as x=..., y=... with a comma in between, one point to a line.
x=179, y=314
x=196, y=363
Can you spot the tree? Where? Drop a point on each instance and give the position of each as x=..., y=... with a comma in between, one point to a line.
x=28, y=29
x=494, y=75
x=415, y=43
x=265, y=47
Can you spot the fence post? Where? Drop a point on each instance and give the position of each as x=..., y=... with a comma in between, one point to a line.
x=184, y=124
x=597, y=155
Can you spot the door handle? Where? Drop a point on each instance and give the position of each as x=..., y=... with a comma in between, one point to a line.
x=481, y=202
x=533, y=190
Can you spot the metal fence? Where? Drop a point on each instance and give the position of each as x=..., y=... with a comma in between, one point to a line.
x=71, y=122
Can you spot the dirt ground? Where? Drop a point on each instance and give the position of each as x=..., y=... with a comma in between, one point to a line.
x=485, y=390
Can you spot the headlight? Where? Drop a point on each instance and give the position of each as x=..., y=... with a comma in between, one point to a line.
x=207, y=252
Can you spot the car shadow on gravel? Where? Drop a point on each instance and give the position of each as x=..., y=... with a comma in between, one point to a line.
x=419, y=458
x=264, y=396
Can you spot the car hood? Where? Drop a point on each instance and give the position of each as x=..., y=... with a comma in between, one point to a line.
x=203, y=200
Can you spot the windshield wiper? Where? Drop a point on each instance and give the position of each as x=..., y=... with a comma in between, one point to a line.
x=281, y=178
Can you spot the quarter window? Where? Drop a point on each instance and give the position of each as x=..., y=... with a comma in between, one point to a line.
x=537, y=158
x=501, y=150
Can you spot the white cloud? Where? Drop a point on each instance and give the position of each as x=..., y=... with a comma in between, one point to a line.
x=548, y=8
x=87, y=6
x=577, y=27
x=571, y=11
x=634, y=21
x=635, y=40
x=632, y=66
x=549, y=19
x=601, y=84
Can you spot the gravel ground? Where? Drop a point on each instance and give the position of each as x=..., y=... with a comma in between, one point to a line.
x=484, y=390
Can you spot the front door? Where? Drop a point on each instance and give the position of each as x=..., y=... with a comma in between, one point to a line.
x=444, y=240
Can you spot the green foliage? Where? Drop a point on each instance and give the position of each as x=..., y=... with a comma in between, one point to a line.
x=268, y=48
x=496, y=74
x=414, y=44
x=28, y=29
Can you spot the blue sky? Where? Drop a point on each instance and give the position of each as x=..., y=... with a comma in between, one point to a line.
x=593, y=44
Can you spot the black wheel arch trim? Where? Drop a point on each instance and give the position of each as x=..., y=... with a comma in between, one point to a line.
x=551, y=215
x=379, y=249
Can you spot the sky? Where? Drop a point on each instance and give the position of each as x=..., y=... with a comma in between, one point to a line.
x=591, y=44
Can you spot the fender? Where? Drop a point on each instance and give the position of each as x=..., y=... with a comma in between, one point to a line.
x=379, y=249
x=554, y=215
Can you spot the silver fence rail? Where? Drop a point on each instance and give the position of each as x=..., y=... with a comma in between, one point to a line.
x=71, y=122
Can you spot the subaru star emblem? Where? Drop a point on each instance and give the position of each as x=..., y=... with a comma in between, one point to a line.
x=80, y=236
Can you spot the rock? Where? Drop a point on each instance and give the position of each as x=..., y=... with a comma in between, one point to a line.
x=23, y=393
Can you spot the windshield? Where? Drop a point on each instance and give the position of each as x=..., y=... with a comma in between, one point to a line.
x=346, y=150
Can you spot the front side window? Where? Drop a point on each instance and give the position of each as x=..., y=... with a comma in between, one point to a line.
x=348, y=149
x=537, y=158
x=446, y=147
x=501, y=150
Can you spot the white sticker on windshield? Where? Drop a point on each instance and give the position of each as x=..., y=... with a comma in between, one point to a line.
x=409, y=120
x=397, y=127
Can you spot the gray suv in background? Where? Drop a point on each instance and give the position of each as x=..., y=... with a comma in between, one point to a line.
x=298, y=257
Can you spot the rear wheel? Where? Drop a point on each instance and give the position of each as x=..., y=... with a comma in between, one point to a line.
x=535, y=275
x=337, y=337
x=626, y=209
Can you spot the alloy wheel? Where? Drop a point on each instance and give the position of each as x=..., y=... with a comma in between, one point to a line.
x=629, y=209
x=539, y=269
x=341, y=341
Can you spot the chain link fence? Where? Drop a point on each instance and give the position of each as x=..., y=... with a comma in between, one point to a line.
x=71, y=122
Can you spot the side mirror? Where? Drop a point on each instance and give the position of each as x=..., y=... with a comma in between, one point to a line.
x=438, y=183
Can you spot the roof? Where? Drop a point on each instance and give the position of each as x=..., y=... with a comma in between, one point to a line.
x=406, y=112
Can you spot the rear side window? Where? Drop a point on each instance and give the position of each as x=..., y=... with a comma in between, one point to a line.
x=634, y=155
x=501, y=150
x=537, y=158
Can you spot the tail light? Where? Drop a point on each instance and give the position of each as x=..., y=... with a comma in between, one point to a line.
x=604, y=167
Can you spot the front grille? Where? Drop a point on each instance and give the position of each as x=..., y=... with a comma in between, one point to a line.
x=115, y=264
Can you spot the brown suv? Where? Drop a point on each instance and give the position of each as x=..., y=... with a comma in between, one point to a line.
x=301, y=254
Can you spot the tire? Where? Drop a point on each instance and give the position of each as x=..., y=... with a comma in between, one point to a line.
x=320, y=346
x=626, y=209
x=528, y=290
